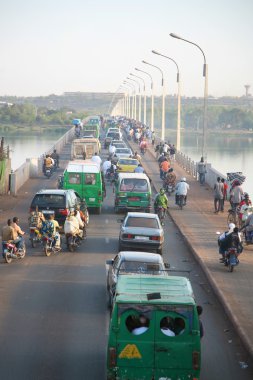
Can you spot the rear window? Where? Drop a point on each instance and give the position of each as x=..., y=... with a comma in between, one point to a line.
x=134, y=184
x=140, y=266
x=142, y=222
x=122, y=150
x=128, y=162
x=47, y=200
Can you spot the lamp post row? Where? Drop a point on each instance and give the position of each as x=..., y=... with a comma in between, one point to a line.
x=205, y=75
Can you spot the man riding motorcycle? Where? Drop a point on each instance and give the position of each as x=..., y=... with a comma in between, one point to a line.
x=161, y=200
x=170, y=178
x=181, y=189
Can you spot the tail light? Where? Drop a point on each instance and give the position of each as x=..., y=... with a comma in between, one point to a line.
x=156, y=238
x=63, y=211
x=195, y=360
x=112, y=356
x=128, y=236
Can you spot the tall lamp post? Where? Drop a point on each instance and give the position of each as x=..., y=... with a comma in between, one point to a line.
x=133, y=99
x=163, y=99
x=126, y=98
x=145, y=99
x=178, y=100
x=152, y=98
x=139, y=95
x=205, y=75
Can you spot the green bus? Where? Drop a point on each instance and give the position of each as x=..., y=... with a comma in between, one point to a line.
x=154, y=330
x=85, y=177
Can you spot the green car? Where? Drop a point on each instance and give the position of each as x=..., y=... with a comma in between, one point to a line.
x=86, y=179
x=154, y=330
x=132, y=192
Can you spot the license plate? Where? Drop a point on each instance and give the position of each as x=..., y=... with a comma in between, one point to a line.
x=92, y=199
x=141, y=237
x=48, y=212
x=134, y=199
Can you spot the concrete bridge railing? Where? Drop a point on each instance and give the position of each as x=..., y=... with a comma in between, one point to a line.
x=32, y=167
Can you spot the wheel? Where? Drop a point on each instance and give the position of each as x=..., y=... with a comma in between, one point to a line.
x=47, y=250
x=230, y=268
x=98, y=210
x=160, y=251
x=231, y=218
x=7, y=257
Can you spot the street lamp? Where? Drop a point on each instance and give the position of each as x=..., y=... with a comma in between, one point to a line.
x=205, y=75
x=139, y=95
x=163, y=99
x=126, y=97
x=145, y=100
x=133, y=100
x=152, y=98
x=178, y=100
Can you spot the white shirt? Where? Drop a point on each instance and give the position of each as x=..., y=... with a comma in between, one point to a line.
x=168, y=332
x=106, y=165
x=96, y=159
x=182, y=188
x=139, y=330
x=112, y=149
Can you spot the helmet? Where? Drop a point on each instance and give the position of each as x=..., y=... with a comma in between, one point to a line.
x=246, y=195
x=170, y=170
x=162, y=191
x=231, y=226
x=183, y=179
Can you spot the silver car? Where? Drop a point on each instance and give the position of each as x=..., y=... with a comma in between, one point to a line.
x=126, y=262
x=141, y=230
x=123, y=152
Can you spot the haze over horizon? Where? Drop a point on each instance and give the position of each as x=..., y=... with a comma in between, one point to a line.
x=92, y=46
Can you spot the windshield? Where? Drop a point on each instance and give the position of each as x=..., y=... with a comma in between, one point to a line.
x=137, y=184
x=141, y=222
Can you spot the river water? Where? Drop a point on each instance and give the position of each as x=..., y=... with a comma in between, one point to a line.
x=26, y=145
x=226, y=153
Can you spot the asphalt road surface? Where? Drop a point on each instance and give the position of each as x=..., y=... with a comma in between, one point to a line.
x=53, y=315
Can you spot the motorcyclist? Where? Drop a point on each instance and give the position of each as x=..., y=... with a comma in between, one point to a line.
x=71, y=226
x=143, y=146
x=50, y=229
x=245, y=208
x=170, y=178
x=55, y=156
x=18, y=233
x=48, y=163
x=182, y=188
x=137, y=157
x=7, y=233
x=161, y=200
x=36, y=218
x=222, y=242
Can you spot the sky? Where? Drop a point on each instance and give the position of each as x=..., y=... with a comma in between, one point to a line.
x=56, y=46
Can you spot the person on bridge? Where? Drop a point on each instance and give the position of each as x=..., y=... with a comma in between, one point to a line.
x=96, y=159
x=161, y=200
x=7, y=232
x=55, y=156
x=182, y=188
x=18, y=233
x=164, y=168
x=170, y=178
x=48, y=163
x=139, y=169
x=236, y=195
x=218, y=195
x=201, y=171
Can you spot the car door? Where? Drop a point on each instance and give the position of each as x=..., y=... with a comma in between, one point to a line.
x=113, y=274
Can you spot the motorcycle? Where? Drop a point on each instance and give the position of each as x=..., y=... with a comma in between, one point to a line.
x=10, y=252
x=48, y=172
x=231, y=259
x=181, y=201
x=169, y=188
x=73, y=242
x=160, y=211
x=35, y=236
x=49, y=246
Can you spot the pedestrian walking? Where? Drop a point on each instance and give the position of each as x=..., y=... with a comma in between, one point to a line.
x=218, y=195
x=201, y=171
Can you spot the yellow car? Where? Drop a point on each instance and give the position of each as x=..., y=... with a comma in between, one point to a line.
x=127, y=165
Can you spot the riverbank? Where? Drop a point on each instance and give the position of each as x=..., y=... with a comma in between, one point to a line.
x=35, y=128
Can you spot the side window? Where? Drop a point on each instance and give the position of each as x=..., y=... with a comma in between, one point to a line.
x=74, y=178
x=137, y=324
x=90, y=179
x=116, y=262
x=172, y=326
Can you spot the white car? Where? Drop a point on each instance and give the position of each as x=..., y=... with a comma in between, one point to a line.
x=123, y=152
x=126, y=262
x=115, y=130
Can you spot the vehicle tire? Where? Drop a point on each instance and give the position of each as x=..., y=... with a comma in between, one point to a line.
x=159, y=251
x=230, y=268
x=7, y=258
x=47, y=250
x=231, y=218
x=98, y=210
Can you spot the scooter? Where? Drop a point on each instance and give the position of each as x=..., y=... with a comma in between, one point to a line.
x=48, y=172
x=231, y=259
x=73, y=242
x=35, y=236
x=160, y=211
x=181, y=201
x=10, y=252
x=49, y=246
x=169, y=188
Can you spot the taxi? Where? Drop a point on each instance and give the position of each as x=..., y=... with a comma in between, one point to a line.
x=127, y=165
